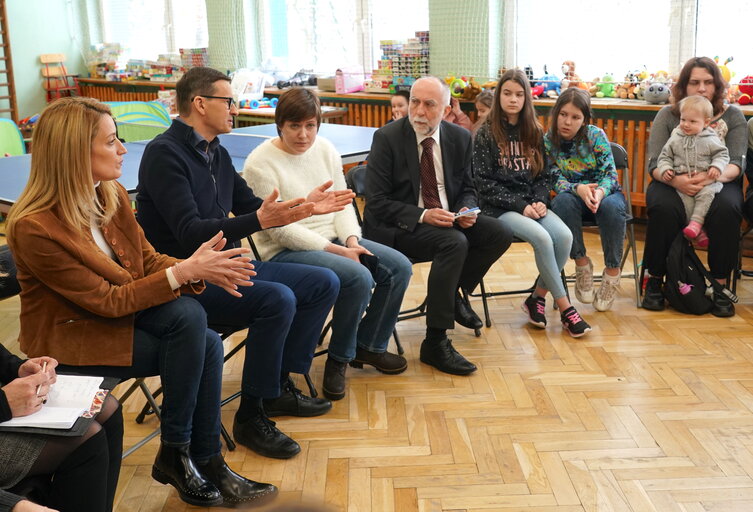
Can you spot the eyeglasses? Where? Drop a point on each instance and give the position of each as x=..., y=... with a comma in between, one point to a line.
x=230, y=101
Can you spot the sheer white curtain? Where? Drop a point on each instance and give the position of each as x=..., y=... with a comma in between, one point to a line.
x=147, y=28
x=724, y=31
x=613, y=37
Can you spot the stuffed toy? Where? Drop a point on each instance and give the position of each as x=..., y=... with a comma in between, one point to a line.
x=604, y=87
x=625, y=91
x=457, y=86
x=537, y=90
x=657, y=93
x=571, y=79
x=726, y=73
x=551, y=84
x=746, y=90
x=471, y=90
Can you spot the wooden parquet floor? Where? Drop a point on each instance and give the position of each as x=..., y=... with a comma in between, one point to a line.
x=649, y=412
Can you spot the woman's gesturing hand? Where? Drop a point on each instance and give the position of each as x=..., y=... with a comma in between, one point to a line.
x=226, y=269
x=329, y=201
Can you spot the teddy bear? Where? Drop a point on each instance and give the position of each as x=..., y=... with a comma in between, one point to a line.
x=571, y=78
x=627, y=90
x=471, y=90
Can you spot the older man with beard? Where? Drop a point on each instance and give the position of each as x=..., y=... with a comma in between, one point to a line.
x=418, y=179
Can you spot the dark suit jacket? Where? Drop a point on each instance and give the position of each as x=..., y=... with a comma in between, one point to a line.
x=393, y=182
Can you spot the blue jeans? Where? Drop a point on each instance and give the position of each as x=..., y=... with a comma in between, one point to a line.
x=284, y=311
x=172, y=341
x=610, y=217
x=551, y=240
x=373, y=331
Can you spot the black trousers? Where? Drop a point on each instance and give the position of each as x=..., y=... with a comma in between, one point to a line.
x=748, y=206
x=460, y=258
x=666, y=218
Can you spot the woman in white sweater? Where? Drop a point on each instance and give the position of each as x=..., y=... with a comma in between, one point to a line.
x=373, y=277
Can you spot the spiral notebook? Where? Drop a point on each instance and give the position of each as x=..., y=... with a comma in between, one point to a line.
x=70, y=398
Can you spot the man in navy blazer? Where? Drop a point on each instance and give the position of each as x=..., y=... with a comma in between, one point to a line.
x=461, y=249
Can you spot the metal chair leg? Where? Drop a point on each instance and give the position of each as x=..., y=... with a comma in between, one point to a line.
x=637, y=279
x=228, y=440
x=398, y=345
x=310, y=384
x=484, y=302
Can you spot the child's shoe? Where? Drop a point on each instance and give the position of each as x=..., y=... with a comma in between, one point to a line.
x=606, y=292
x=573, y=323
x=584, y=283
x=692, y=230
x=535, y=308
x=702, y=240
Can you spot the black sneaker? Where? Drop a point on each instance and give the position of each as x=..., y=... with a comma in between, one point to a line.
x=573, y=323
x=723, y=307
x=535, y=308
x=653, y=296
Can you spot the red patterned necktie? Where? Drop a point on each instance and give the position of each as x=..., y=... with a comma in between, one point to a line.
x=429, y=190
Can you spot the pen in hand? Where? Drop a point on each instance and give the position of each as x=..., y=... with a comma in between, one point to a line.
x=39, y=387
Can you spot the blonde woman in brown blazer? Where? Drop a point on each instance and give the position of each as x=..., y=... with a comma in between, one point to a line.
x=98, y=298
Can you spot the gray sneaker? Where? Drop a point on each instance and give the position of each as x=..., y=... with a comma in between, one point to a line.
x=607, y=292
x=584, y=283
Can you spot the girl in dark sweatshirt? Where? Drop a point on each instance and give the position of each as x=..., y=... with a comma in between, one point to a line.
x=514, y=185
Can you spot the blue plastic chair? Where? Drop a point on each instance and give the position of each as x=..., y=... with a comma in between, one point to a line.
x=11, y=140
x=140, y=120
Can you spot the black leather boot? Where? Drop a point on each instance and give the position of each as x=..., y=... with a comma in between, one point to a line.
x=174, y=466
x=333, y=384
x=236, y=490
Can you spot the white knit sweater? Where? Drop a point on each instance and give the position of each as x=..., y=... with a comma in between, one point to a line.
x=294, y=176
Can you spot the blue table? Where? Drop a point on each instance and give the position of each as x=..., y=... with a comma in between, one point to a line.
x=353, y=143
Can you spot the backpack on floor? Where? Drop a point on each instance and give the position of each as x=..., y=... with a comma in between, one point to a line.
x=687, y=280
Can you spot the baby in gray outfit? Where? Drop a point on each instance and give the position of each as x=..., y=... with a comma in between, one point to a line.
x=693, y=148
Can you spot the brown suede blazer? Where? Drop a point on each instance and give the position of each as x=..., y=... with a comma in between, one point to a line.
x=77, y=304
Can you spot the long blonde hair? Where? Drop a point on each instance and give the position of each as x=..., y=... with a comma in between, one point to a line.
x=61, y=172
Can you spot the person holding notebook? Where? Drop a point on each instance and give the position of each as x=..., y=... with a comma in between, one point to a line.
x=83, y=469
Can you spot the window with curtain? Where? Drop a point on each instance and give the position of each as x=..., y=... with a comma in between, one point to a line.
x=322, y=35
x=395, y=19
x=724, y=31
x=615, y=37
x=325, y=35
x=147, y=28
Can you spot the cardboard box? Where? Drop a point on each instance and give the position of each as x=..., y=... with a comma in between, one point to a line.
x=326, y=83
